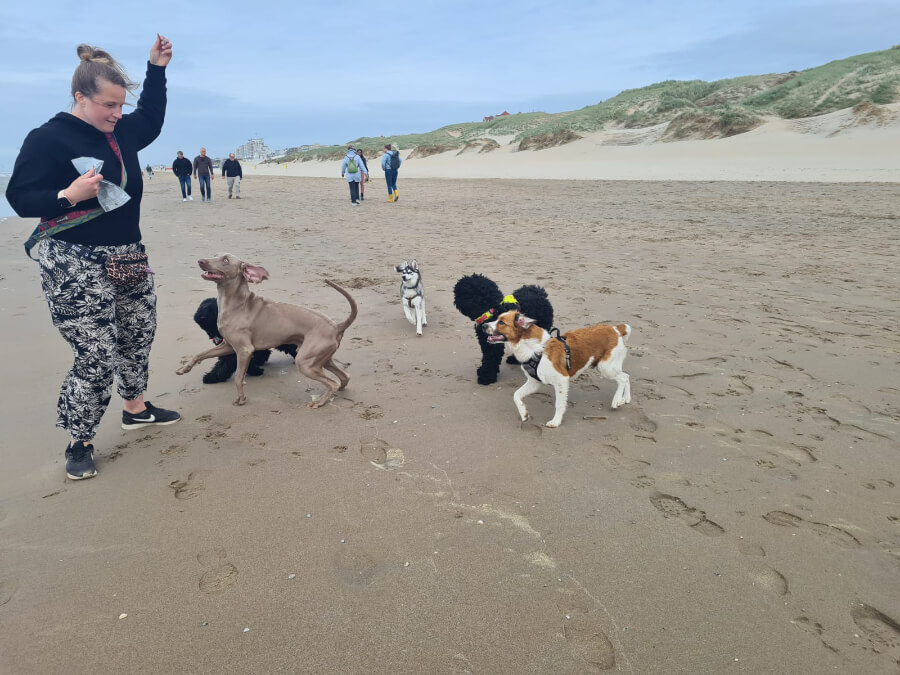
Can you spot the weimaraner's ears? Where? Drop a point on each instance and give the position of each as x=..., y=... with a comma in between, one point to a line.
x=254, y=274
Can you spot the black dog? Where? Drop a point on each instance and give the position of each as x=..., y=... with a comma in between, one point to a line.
x=480, y=299
x=207, y=317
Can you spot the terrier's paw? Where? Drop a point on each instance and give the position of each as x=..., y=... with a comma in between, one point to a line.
x=552, y=424
x=241, y=401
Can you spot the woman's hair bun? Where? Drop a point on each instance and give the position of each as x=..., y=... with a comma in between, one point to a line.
x=92, y=54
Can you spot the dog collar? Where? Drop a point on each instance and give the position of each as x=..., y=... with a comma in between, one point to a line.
x=217, y=340
x=510, y=300
x=484, y=317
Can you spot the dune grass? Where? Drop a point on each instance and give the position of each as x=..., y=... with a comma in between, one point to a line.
x=692, y=108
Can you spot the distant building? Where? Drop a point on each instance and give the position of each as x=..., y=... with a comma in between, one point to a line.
x=253, y=150
x=488, y=118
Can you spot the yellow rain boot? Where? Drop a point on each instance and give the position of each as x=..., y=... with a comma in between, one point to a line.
x=396, y=195
x=390, y=197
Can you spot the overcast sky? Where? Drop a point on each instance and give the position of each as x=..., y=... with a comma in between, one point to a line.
x=327, y=72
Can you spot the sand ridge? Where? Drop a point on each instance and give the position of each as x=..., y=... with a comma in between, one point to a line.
x=853, y=145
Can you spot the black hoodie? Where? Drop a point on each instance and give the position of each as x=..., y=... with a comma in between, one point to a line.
x=44, y=166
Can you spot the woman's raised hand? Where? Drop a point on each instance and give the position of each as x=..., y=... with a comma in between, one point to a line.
x=161, y=51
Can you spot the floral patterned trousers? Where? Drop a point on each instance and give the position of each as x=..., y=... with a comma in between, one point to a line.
x=110, y=329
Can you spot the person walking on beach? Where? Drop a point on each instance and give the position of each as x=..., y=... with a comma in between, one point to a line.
x=390, y=163
x=182, y=169
x=365, y=166
x=110, y=327
x=231, y=170
x=203, y=172
x=352, y=169
x=149, y=172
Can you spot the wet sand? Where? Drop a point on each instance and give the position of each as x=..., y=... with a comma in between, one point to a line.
x=740, y=514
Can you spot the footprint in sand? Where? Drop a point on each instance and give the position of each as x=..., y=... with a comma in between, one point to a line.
x=381, y=455
x=643, y=423
x=749, y=548
x=830, y=533
x=770, y=579
x=589, y=643
x=626, y=463
x=189, y=488
x=531, y=428
x=673, y=507
x=372, y=412
x=814, y=628
x=875, y=484
x=882, y=632
x=643, y=482
x=220, y=574
x=8, y=588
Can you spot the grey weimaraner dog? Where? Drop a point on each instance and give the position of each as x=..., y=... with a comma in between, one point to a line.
x=249, y=322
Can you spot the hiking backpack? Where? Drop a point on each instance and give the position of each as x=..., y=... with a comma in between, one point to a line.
x=395, y=160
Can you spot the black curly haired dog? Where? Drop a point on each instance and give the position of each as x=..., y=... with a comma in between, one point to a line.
x=207, y=317
x=480, y=299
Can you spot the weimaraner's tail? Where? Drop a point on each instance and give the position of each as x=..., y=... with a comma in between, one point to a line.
x=350, y=319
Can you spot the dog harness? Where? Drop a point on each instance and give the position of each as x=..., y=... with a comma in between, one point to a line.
x=507, y=300
x=530, y=366
x=419, y=291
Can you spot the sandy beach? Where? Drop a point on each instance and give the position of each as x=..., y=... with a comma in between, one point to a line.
x=739, y=515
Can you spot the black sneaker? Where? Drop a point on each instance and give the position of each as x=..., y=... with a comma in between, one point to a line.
x=152, y=416
x=80, y=461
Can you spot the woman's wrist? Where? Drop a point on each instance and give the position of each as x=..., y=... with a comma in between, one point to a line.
x=63, y=195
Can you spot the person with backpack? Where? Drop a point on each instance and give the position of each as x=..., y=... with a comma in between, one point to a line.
x=390, y=163
x=353, y=170
x=362, y=184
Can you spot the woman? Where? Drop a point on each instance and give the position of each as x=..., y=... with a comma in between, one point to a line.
x=109, y=327
x=365, y=167
x=352, y=170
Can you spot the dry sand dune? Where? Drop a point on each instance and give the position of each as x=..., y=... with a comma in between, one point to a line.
x=853, y=145
x=739, y=515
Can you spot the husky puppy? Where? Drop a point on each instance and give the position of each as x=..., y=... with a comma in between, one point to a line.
x=412, y=293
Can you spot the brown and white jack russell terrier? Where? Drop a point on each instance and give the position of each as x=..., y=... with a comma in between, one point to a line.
x=557, y=360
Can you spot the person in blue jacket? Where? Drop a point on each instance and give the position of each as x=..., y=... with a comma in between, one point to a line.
x=109, y=327
x=390, y=163
x=353, y=169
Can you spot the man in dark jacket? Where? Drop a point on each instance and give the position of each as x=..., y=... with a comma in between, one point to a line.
x=231, y=170
x=203, y=172
x=182, y=168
